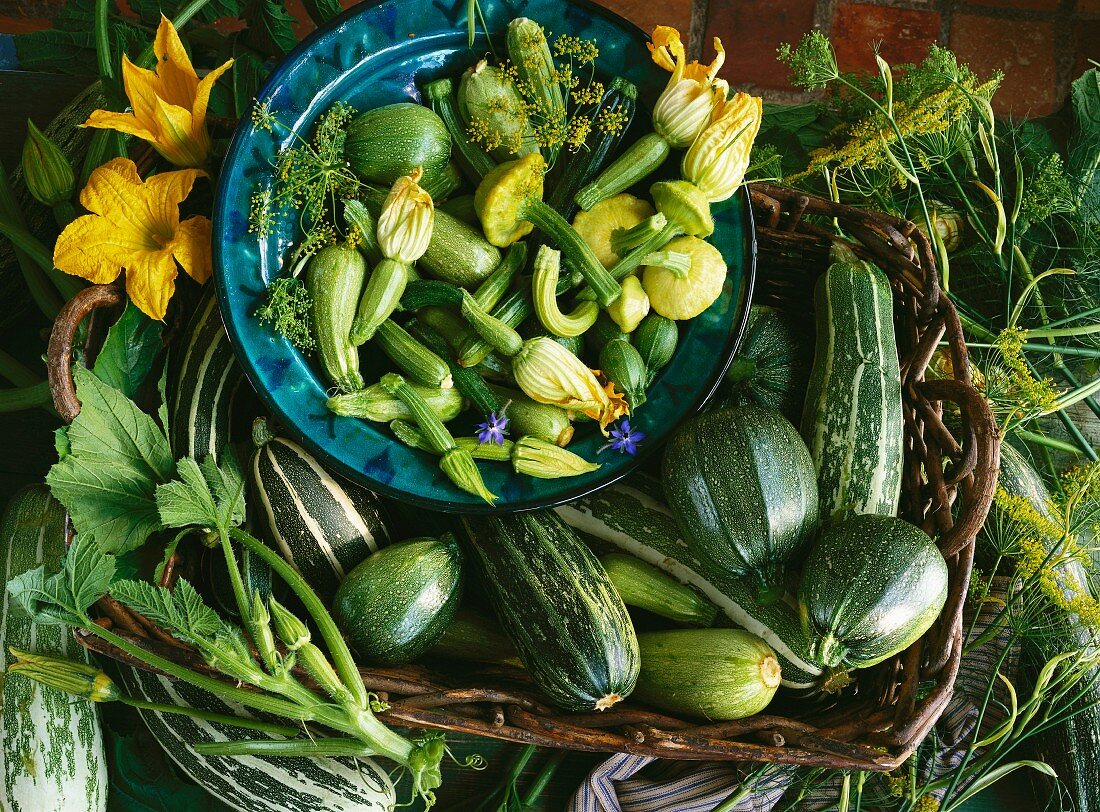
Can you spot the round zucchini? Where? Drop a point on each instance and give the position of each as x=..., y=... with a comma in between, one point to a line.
x=399, y=601
x=387, y=142
x=718, y=674
x=772, y=367
x=743, y=489
x=871, y=586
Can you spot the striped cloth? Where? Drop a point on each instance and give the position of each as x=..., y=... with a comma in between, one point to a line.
x=626, y=783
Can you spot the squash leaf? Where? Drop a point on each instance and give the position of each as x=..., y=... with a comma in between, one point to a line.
x=112, y=459
x=64, y=597
x=69, y=46
x=204, y=495
x=1084, y=153
x=270, y=28
x=180, y=610
x=128, y=353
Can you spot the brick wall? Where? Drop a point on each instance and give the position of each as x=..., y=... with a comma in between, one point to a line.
x=1040, y=45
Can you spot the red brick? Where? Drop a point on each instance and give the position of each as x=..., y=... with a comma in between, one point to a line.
x=21, y=16
x=903, y=34
x=1088, y=6
x=647, y=14
x=751, y=35
x=1030, y=5
x=1023, y=50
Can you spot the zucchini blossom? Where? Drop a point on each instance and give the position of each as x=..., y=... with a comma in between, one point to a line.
x=405, y=223
x=718, y=158
x=684, y=107
x=548, y=373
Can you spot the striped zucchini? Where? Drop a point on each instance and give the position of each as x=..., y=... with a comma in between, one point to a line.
x=631, y=517
x=323, y=527
x=253, y=783
x=52, y=758
x=852, y=420
x=204, y=380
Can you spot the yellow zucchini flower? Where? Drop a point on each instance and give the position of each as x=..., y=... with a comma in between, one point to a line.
x=718, y=158
x=406, y=221
x=684, y=107
x=169, y=106
x=547, y=372
x=135, y=225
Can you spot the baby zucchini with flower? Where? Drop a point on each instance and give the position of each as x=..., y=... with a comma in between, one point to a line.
x=404, y=230
x=682, y=111
x=334, y=278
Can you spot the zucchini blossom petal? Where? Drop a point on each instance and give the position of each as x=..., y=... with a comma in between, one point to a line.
x=548, y=373
x=684, y=107
x=718, y=158
x=406, y=220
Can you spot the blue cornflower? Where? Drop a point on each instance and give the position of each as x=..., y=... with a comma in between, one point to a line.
x=493, y=429
x=624, y=439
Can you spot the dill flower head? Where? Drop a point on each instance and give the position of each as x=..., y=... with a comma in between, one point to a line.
x=1014, y=393
x=812, y=62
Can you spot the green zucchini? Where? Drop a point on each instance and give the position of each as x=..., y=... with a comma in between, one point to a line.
x=378, y=299
x=387, y=142
x=577, y=168
x=741, y=485
x=52, y=759
x=410, y=356
x=852, y=421
x=528, y=417
x=334, y=278
x=253, y=783
x=772, y=365
x=871, y=586
x=624, y=367
x=397, y=602
x=375, y=403
x=487, y=99
x=475, y=637
x=475, y=162
x=656, y=338
x=646, y=587
x=603, y=331
x=558, y=607
x=321, y=526
x=467, y=381
x=203, y=380
x=714, y=674
x=631, y=517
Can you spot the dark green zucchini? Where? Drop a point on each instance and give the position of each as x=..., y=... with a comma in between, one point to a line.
x=475, y=637
x=743, y=489
x=871, y=586
x=397, y=602
x=557, y=605
x=771, y=367
x=323, y=527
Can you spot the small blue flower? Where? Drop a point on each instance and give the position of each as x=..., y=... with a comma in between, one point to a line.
x=624, y=439
x=493, y=429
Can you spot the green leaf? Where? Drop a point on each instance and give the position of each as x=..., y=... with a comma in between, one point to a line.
x=227, y=485
x=270, y=28
x=249, y=72
x=117, y=457
x=69, y=46
x=150, y=10
x=321, y=11
x=1084, y=153
x=187, y=500
x=131, y=346
x=64, y=597
x=180, y=610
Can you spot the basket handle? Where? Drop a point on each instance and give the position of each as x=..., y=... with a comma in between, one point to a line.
x=59, y=354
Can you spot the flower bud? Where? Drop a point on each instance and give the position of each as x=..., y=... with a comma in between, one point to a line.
x=405, y=223
x=548, y=373
x=291, y=630
x=684, y=107
x=544, y=460
x=317, y=665
x=72, y=677
x=47, y=171
x=718, y=158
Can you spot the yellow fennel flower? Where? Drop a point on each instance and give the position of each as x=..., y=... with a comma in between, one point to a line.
x=718, y=158
x=684, y=107
x=135, y=225
x=169, y=105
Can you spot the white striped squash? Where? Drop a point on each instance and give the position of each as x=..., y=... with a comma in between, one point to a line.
x=852, y=421
x=52, y=757
x=323, y=527
x=253, y=783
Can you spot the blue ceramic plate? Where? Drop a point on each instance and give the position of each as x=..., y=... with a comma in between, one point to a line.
x=379, y=54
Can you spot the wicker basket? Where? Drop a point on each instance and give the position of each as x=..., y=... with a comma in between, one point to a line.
x=948, y=487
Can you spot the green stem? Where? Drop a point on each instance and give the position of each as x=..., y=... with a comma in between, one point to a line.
x=1076, y=384
x=1095, y=311
x=223, y=690
x=1047, y=442
x=1081, y=352
x=636, y=256
x=102, y=39
x=334, y=640
x=573, y=246
x=1063, y=332
x=38, y=285
x=25, y=397
x=310, y=748
x=15, y=373
x=542, y=780
x=639, y=160
x=209, y=716
x=182, y=18
x=63, y=213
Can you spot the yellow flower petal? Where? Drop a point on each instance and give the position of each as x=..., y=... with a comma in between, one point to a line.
x=122, y=122
x=112, y=192
x=191, y=248
x=151, y=281
x=141, y=89
x=202, y=94
x=86, y=249
x=176, y=139
x=177, y=79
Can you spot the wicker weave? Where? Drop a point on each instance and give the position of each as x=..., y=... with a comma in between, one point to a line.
x=948, y=487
